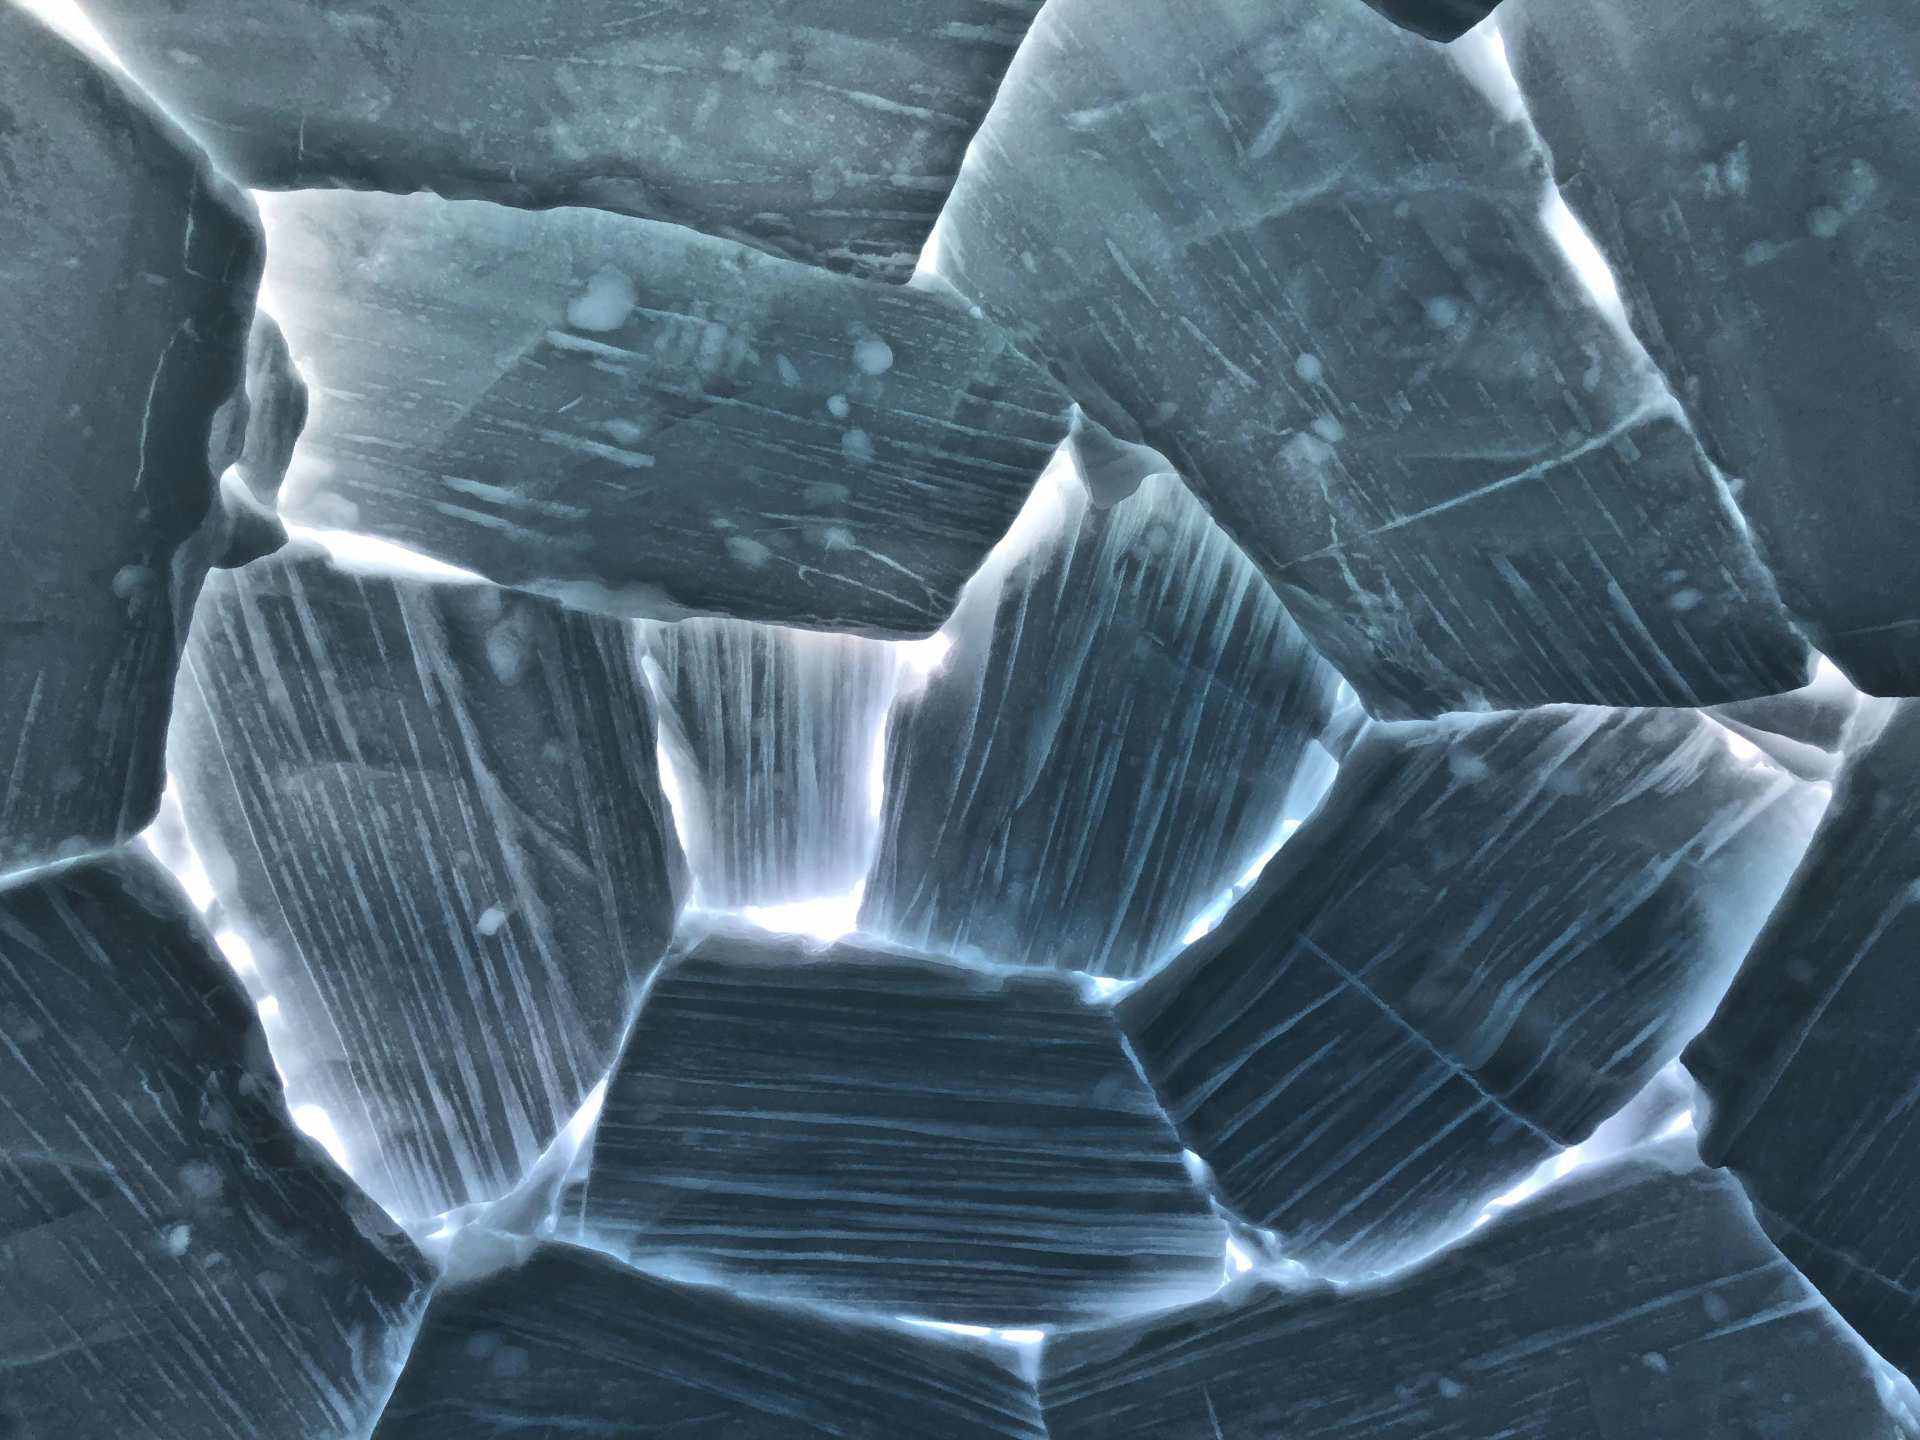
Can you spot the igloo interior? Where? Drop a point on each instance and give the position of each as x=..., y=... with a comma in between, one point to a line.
x=1260, y=781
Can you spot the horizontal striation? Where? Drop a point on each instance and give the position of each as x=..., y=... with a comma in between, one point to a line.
x=646, y=422
x=127, y=275
x=1753, y=172
x=1636, y=1303
x=1121, y=729
x=892, y=1133
x=1490, y=937
x=1302, y=253
x=1812, y=1064
x=772, y=736
x=432, y=815
x=823, y=130
x=176, y=1263
x=574, y=1343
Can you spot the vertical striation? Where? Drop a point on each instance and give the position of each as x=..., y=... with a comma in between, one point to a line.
x=772, y=734
x=432, y=814
x=1121, y=729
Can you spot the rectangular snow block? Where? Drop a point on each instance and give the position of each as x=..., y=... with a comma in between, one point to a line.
x=890, y=1133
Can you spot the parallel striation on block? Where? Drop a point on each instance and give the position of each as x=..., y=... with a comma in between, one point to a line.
x=1489, y=938
x=574, y=1343
x=1303, y=254
x=176, y=1262
x=772, y=736
x=827, y=131
x=1638, y=1303
x=646, y=422
x=432, y=815
x=1811, y=1065
x=1122, y=728
x=892, y=1133
x=1753, y=173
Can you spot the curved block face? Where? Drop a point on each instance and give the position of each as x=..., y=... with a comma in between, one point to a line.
x=432, y=815
x=1490, y=937
x=1436, y=19
x=175, y=1261
x=278, y=403
x=961, y=1145
x=1309, y=265
x=772, y=736
x=576, y=1343
x=827, y=131
x=649, y=423
x=1122, y=726
x=1637, y=1303
x=1810, y=1065
x=127, y=274
x=1753, y=173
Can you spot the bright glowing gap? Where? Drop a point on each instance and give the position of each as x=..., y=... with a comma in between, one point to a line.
x=316, y=1122
x=239, y=953
x=1223, y=902
x=877, y=771
x=354, y=551
x=586, y=1117
x=670, y=786
x=929, y=261
x=72, y=22
x=825, y=918
x=923, y=657
x=1681, y=1124
x=1584, y=255
x=975, y=1332
x=166, y=839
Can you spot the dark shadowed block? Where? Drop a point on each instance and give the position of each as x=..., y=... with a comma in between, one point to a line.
x=176, y=1262
x=575, y=1343
x=1121, y=729
x=1436, y=19
x=1812, y=1064
x=1488, y=939
x=1302, y=254
x=127, y=273
x=647, y=422
x=896, y=1134
x=432, y=813
x=1753, y=173
x=824, y=130
x=1638, y=1303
